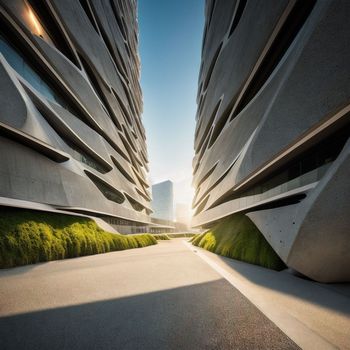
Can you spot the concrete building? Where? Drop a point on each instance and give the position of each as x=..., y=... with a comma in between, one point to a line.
x=163, y=201
x=272, y=135
x=71, y=135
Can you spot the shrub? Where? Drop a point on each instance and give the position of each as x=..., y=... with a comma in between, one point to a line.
x=161, y=236
x=28, y=237
x=237, y=237
x=196, y=238
x=180, y=235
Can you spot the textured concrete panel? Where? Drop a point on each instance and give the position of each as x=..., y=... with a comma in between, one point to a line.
x=71, y=132
x=272, y=125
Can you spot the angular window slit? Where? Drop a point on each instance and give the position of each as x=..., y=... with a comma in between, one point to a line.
x=309, y=167
x=98, y=90
x=211, y=67
x=279, y=47
x=53, y=28
x=201, y=206
x=209, y=124
x=122, y=106
x=36, y=78
x=221, y=122
x=76, y=151
x=122, y=170
x=237, y=16
x=142, y=195
x=117, y=17
x=88, y=11
x=107, y=190
x=211, y=11
x=136, y=205
x=207, y=174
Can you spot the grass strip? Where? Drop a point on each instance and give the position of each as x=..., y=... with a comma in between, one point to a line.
x=181, y=235
x=237, y=237
x=29, y=237
x=160, y=236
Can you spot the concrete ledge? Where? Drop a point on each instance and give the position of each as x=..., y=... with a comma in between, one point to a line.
x=34, y=143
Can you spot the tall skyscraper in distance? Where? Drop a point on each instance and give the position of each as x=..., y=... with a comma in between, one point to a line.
x=71, y=135
x=273, y=126
x=163, y=200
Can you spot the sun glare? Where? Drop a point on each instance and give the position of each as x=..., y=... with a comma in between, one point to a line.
x=35, y=22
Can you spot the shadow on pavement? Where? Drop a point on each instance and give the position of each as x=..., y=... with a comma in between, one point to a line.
x=332, y=296
x=211, y=315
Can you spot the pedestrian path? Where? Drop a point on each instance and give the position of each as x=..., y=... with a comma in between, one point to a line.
x=313, y=315
x=159, y=297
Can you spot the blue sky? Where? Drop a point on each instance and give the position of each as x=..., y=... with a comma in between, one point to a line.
x=170, y=45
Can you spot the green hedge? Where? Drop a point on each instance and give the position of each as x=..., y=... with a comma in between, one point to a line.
x=237, y=237
x=29, y=237
x=160, y=236
x=169, y=235
x=195, y=237
x=181, y=235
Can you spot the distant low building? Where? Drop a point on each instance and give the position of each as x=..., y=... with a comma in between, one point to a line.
x=163, y=201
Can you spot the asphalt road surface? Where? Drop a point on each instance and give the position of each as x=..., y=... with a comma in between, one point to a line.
x=159, y=297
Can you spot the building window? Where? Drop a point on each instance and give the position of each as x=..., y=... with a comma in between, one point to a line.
x=19, y=64
x=107, y=190
x=307, y=168
x=83, y=157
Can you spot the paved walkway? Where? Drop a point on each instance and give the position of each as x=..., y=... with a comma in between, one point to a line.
x=315, y=316
x=159, y=297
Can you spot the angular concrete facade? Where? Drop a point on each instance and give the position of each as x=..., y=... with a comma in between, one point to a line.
x=71, y=135
x=272, y=136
